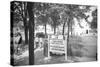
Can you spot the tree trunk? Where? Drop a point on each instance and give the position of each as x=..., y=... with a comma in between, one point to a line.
x=26, y=30
x=45, y=45
x=24, y=15
x=63, y=31
x=68, y=45
x=45, y=29
x=31, y=33
x=71, y=29
x=54, y=30
x=26, y=35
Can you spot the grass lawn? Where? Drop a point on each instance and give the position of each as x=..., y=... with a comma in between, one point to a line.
x=84, y=47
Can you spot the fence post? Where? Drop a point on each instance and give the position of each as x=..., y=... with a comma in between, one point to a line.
x=48, y=46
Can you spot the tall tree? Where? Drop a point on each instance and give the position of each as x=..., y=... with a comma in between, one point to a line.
x=25, y=17
x=41, y=13
x=20, y=14
x=31, y=32
x=94, y=21
x=73, y=11
x=43, y=20
x=55, y=17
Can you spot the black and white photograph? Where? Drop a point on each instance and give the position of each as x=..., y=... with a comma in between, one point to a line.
x=52, y=33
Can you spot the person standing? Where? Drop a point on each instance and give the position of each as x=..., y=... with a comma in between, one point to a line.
x=19, y=42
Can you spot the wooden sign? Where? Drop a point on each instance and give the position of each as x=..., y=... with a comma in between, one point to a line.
x=57, y=44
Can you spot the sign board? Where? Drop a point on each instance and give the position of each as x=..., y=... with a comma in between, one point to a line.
x=57, y=44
